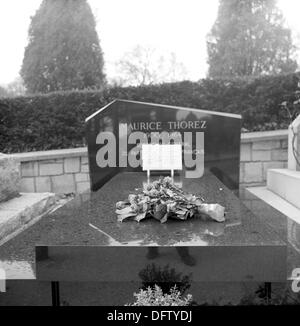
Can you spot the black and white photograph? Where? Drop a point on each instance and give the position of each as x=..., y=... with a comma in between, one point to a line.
x=150, y=156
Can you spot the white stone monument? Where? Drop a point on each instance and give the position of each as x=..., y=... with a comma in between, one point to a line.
x=286, y=182
x=294, y=145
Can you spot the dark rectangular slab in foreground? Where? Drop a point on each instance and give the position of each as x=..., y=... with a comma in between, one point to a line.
x=90, y=220
x=126, y=263
x=240, y=249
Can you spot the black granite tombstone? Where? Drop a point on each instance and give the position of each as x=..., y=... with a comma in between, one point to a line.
x=210, y=140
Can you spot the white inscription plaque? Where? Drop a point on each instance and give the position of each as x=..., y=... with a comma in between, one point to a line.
x=161, y=157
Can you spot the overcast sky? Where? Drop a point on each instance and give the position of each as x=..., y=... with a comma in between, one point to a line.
x=178, y=26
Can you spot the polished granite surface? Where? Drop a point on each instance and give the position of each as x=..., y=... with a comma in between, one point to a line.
x=98, y=213
x=287, y=229
x=126, y=263
x=89, y=220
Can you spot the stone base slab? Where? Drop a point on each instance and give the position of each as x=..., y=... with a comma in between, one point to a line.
x=18, y=213
x=286, y=184
x=277, y=202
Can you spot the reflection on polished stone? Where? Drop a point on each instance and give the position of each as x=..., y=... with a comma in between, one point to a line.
x=240, y=228
x=125, y=263
x=17, y=269
x=294, y=234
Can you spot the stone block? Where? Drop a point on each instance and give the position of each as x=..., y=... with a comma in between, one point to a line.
x=279, y=155
x=84, y=160
x=252, y=184
x=266, y=144
x=85, y=168
x=29, y=169
x=272, y=165
x=258, y=155
x=63, y=184
x=80, y=177
x=82, y=186
x=284, y=143
x=245, y=152
x=286, y=184
x=242, y=172
x=43, y=184
x=9, y=177
x=54, y=168
x=27, y=184
x=253, y=172
x=72, y=164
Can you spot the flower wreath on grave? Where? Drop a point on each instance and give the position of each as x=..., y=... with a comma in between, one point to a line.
x=162, y=200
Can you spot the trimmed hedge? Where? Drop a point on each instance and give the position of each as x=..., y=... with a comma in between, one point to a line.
x=56, y=120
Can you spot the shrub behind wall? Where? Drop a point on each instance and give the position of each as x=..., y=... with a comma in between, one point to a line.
x=56, y=120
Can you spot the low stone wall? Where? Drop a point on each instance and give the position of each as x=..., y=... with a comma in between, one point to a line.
x=261, y=151
x=58, y=171
x=67, y=170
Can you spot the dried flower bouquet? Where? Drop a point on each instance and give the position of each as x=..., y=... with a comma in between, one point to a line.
x=162, y=200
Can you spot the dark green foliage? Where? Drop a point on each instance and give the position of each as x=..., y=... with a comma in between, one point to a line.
x=63, y=51
x=166, y=278
x=56, y=120
x=249, y=39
